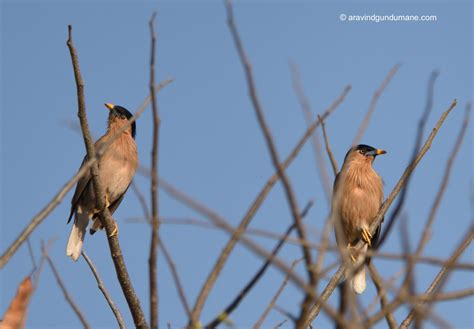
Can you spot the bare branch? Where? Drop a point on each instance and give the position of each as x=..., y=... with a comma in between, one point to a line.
x=219, y=221
x=104, y=214
x=268, y=136
x=416, y=148
x=272, y=303
x=155, y=224
x=373, y=103
x=441, y=277
x=212, y=277
x=101, y=286
x=328, y=147
x=248, y=287
x=391, y=322
x=177, y=281
x=290, y=196
x=306, y=108
x=444, y=182
x=66, y=294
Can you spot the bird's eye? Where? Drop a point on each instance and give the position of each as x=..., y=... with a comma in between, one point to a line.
x=361, y=152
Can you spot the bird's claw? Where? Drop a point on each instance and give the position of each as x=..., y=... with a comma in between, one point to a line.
x=107, y=202
x=353, y=257
x=115, y=230
x=366, y=236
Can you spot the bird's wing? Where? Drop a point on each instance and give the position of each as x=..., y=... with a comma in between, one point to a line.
x=114, y=205
x=83, y=183
x=81, y=186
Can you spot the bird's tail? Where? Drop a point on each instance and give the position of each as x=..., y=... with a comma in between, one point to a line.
x=358, y=281
x=76, y=238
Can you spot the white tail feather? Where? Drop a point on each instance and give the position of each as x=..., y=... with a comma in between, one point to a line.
x=358, y=281
x=76, y=238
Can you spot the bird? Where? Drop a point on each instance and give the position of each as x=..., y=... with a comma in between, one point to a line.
x=356, y=199
x=117, y=166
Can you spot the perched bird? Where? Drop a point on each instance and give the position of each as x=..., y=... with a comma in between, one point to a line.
x=117, y=167
x=356, y=199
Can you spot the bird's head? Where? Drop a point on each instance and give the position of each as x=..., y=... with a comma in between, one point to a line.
x=363, y=154
x=118, y=116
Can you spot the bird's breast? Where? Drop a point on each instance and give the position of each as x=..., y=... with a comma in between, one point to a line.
x=117, y=167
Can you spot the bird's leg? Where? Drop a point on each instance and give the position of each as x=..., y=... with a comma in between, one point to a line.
x=115, y=230
x=366, y=236
x=353, y=257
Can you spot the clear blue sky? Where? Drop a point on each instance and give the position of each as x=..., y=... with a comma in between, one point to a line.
x=211, y=146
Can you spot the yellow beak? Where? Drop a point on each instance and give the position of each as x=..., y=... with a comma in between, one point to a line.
x=378, y=152
x=109, y=106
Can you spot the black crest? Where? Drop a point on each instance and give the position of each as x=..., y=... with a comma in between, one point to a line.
x=123, y=111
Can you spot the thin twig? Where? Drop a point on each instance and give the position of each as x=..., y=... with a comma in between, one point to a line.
x=289, y=193
x=155, y=225
x=373, y=103
x=104, y=214
x=237, y=233
x=101, y=286
x=441, y=277
x=383, y=209
x=32, y=254
x=444, y=183
x=66, y=294
x=56, y=200
x=429, y=260
x=391, y=322
x=416, y=147
x=177, y=281
x=248, y=287
x=219, y=221
x=308, y=115
x=328, y=147
x=272, y=303
x=142, y=201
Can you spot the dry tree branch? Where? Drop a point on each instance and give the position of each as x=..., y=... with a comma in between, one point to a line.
x=429, y=260
x=248, y=287
x=383, y=209
x=168, y=258
x=335, y=169
x=440, y=278
x=56, y=200
x=101, y=286
x=308, y=115
x=290, y=196
x=142, y=201
x=444, y=182
x=327, y=224
x=155, y=225
x=391, y=322
x=237, y=233
x=268, y=135
x=104, y=215
x=272, y=303
x=447, y=296
x=219, y=221
x=61, y=285
x=416, y=148
x=375, y=97
x=177, y=281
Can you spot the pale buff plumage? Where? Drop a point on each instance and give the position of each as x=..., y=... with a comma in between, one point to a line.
x=117, y=167
x=357, y=197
